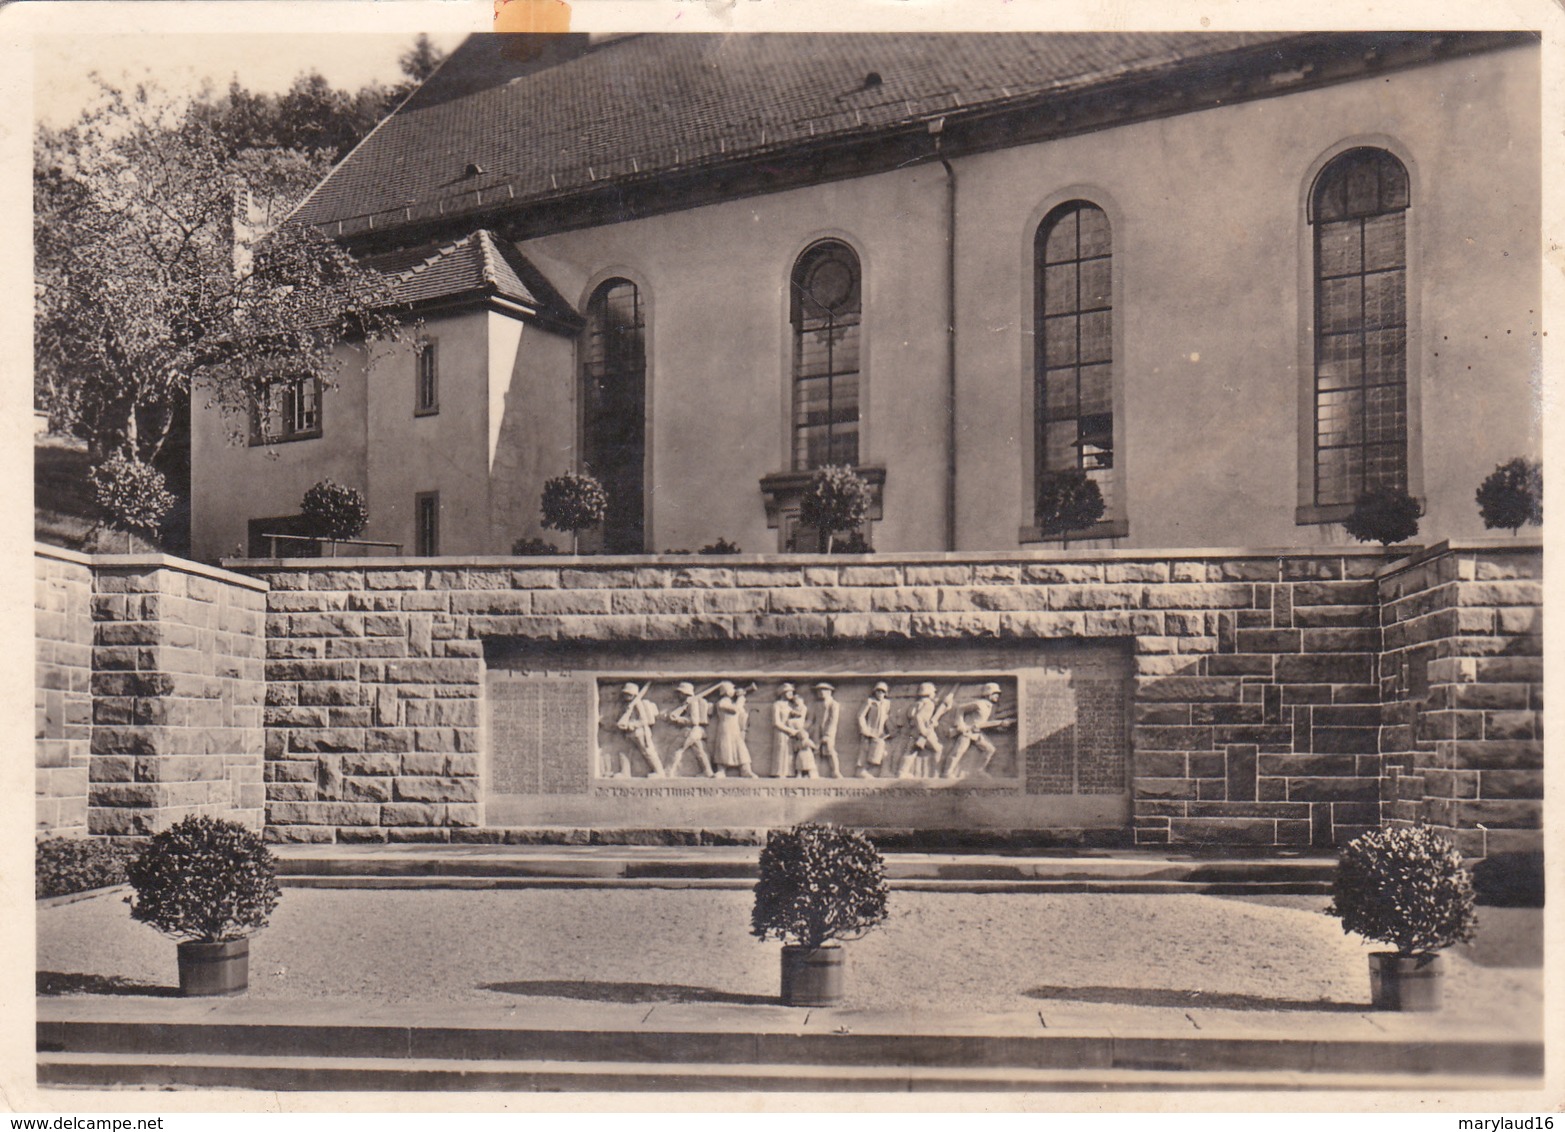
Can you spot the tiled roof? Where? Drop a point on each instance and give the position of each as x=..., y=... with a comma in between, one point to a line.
x=478, y=264
x=488, y=129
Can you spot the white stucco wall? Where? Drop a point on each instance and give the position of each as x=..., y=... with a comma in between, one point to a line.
x=1213, y=308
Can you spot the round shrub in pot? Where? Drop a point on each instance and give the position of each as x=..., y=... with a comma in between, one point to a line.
x=211, y=884
x=819, y=884
x=1406, y=887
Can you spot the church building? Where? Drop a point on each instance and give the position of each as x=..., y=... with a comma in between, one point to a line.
x=1235, y=279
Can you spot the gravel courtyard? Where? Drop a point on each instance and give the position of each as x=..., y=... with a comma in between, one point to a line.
x=982, y=953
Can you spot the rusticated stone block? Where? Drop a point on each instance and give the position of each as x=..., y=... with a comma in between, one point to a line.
x=733, y=601
x=1511, y=725
x=1099, y=597
x=307, y=740
x=1183, y=789
x=1319, y=789
x=1501, y=593
x=655, y=601
x=298, y=834
x=1135, y=572
x=953, y=575
x=1216, y=595
x=702, y=578
x=871, y=576
x=809, y=600
x=409, y=814
x=1173, y=738
x=367, y=789
x=1325, y=668
x=1222, y=831
x=323, y=813
x=394, y=579
x=1029, y=625
x=436, y=789
x=504, y=602
x=571, y=602
x=598, y=579
x=1245, y=570
x=769, y=577
x=1187, y=689
x=866, y=626
x=1123, y=624
x=1498, y=813
x=432, y=671
x=1335, y=593
x=440, y=713
x=947, y=625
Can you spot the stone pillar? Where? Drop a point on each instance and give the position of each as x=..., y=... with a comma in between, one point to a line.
x=62, y=608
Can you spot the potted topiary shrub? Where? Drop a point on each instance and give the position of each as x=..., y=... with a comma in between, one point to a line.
x=1511, y=495
x=1068, y=500
x=131, y=495
x=210, y=883
x=332, y=511
x=1406, y=887
x=837, y=499
x=819, y=884
x=1385, y=515
x=573, y=503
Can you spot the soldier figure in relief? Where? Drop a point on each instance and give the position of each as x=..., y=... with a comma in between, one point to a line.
x=925, y=716
x=874, y=730
x=636, y=721
x=826, y=727
x=970, y=729
x=693, y=715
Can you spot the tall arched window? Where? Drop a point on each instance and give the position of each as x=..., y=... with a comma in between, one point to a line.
x=1359, y=212
x=1074, y=346
x=614, y=409
x=826, y=306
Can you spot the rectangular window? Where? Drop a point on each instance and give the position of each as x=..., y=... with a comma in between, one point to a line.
x=427, y=401
x=290, y=410
x=426, y=520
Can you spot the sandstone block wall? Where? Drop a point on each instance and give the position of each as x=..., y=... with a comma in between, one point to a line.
x=1462, y=682
x=1257, y=675
x=62, y=605
x=168, y=658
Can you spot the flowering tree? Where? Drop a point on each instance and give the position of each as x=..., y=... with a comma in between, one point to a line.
x=142, y=293
x=334, y=511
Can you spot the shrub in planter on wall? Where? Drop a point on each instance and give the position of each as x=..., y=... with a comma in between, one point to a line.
x=132, y=495
x=837, y=499
x=818, y=884
x=573, y=503
x=1511, y=495
x=533, y=547
x=1068, y=500
x=1406, y=887
x=1385, y=515
x=332, y=511
x=77, y=864
x=211, y=884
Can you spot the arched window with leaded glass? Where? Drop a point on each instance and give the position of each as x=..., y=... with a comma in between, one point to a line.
x=614, y=409
x=1073, y=328
x=826, y=307
x=1358, y=213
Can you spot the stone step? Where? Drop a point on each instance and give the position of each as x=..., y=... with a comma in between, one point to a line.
x=735, y=867
x=416, y=881
x=773, y=1037
x=290, y=1073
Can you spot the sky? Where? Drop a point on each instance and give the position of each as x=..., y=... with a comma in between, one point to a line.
x=63, y=85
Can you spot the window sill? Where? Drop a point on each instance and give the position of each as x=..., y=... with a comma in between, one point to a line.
x=782, y=490
x=1308, y=514
x=432, y=412
x=269, y=441
x=1107, y=528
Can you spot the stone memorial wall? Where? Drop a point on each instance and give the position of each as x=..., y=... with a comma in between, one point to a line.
x=1245, y=698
